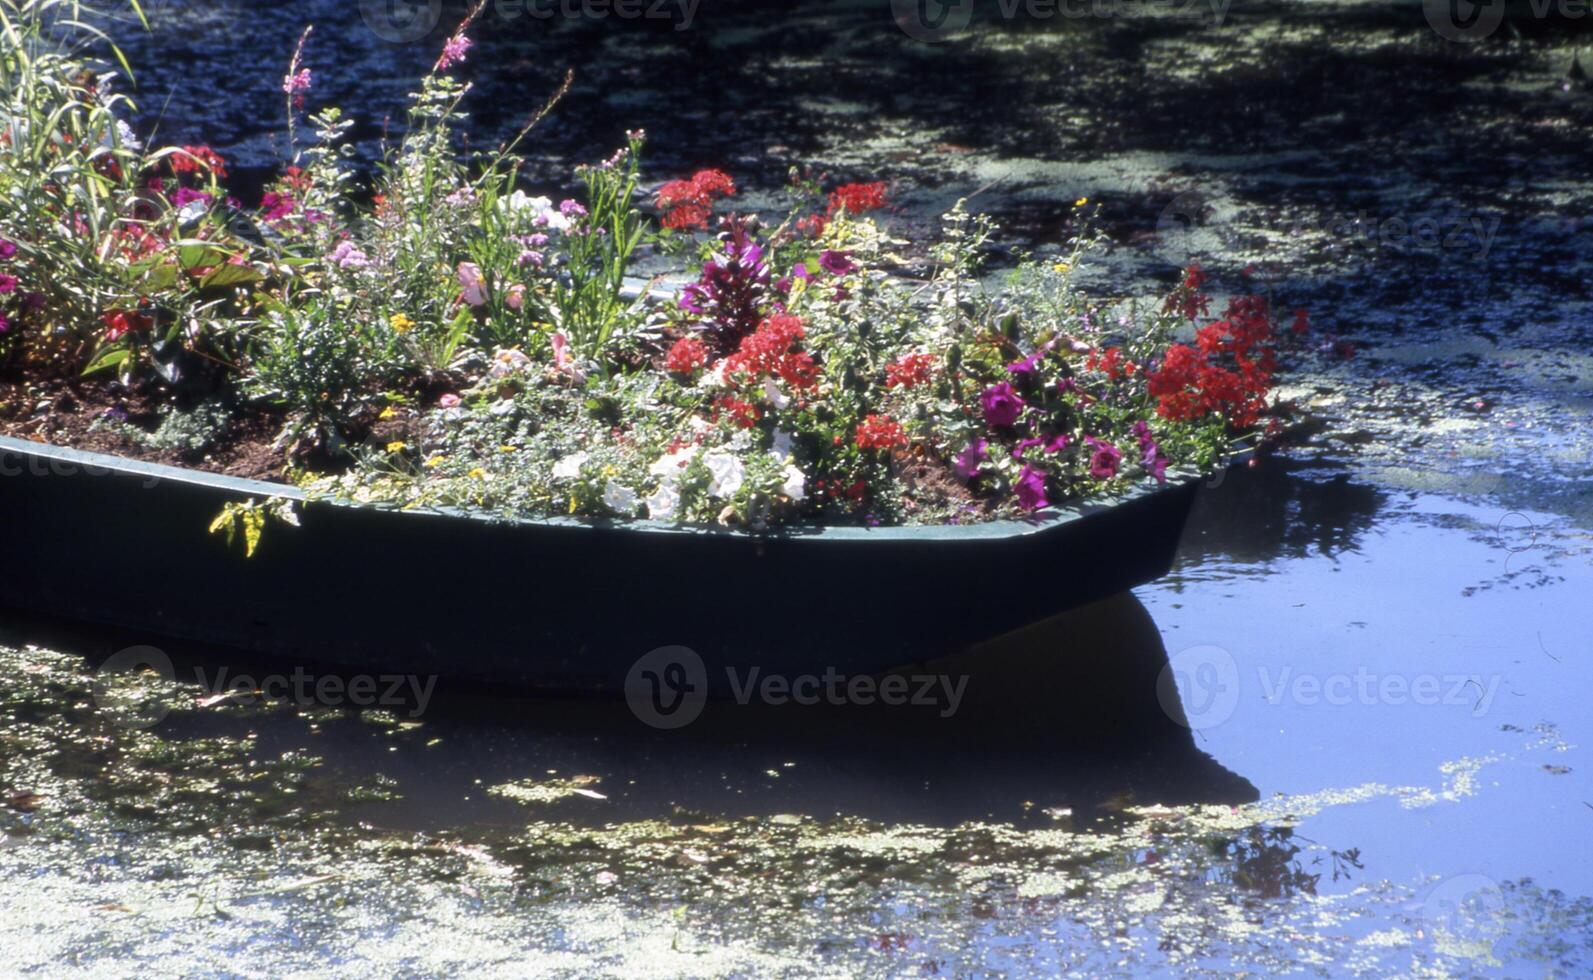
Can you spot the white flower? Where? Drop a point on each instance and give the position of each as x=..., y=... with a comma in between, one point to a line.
x=782, y=444
x=795, y=485
x=619, y=498
x=569, y=467
x=670, y=466
x=191, y=212
x=663, y=503
x=727, y=472
x=507, y=362
x=772, y=392
x=715, y=377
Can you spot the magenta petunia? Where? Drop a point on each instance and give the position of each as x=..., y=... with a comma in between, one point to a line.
x=1002, y=404
x=8, y=250
x=7, y=283
x=968, y=461
x=1031, y=489
x=1104, y=458
x=836, y=263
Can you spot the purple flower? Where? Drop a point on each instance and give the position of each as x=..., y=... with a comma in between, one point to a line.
x=532, y=258
x=1058, y=443
x=728, y=295
x=1031, y=489
x=33, y=301
x=967, y=462
x=571, y=208
x=1017, y=451
x=836, y=263
x=1151, y=456
x=1104, y=458
x=185, y=196
x=7, y=283
x=7, y=250
x=297, y=84
x=346, y=256
x=1026, y=365
x=1002, y=404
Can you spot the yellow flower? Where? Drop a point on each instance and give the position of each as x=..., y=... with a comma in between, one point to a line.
x=397, y=446
x=401, y=323
x=1081, y=202
x=478, y=474
x=388, y=412
x=507, y=449
x=1063, y=267
x=435, y=462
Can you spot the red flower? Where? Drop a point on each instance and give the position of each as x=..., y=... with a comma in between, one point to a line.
x=689, y=203
x=858, y=198
x=119, y=323
x=687, y=355
x=744, y=414
x=1302, y=321
x=1187, y=300
x=909, y=370
x=197, y=159
x=767, y=351
x=880, y=432
x=1112, y=363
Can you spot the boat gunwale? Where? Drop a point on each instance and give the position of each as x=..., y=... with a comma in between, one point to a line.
x=1044, y=522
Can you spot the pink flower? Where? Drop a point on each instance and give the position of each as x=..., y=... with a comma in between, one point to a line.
x=7, y=250
x=449, y=400
x=454, y=51
x=516, y=297
x=7, y=283
x=297, y=84
x=561, y=352
x=475, y=287
x=1031, y=489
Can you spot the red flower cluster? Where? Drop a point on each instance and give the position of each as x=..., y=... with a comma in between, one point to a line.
x=687, y=355
x=1112, y=363
x=744, y=414
x=689, y=203
x=858, y=198
x=1193, y=382
x=909, y=370
x=1187, y=300
x=119, y=323
x=198, y=159
x=880, y=432
x=767, y=351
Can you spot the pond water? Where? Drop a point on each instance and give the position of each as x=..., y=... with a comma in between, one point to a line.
x=1373, y=757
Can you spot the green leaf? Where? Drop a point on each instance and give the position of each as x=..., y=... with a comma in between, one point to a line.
x=108, y=358
x=229, y=275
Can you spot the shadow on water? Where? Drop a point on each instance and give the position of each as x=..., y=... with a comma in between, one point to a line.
x=1065, y=714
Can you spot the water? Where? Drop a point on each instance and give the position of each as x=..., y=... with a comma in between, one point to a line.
x=1379, y=637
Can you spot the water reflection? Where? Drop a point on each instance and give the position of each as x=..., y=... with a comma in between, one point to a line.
x=1281, y=507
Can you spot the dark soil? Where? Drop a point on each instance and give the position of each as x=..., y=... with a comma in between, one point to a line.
x=64, y=412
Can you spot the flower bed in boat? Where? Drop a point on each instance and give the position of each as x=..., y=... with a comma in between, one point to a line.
x=441, y=335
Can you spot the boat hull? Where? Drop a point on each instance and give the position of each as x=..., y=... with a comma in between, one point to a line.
x=555, y=605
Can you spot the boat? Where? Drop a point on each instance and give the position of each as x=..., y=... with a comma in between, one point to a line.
x=559, y=605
